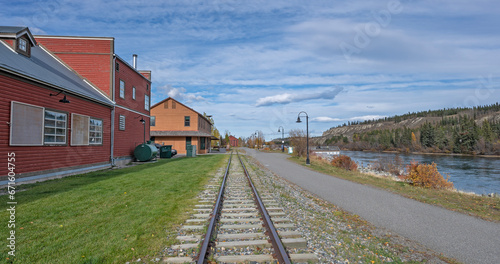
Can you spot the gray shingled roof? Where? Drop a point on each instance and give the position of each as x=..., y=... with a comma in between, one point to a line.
x=8, y=29
x=42, y=67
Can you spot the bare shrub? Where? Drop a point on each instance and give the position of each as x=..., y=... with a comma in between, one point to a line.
x=344, y=162
x=393, y=166
x=298, y=141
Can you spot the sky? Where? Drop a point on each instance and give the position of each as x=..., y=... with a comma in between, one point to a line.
x=255, y=65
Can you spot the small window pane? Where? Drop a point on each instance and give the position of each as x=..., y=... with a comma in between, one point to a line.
x=60, y=124
x=50, y=115
x=49, y=130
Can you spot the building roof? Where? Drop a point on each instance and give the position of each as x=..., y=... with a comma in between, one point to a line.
x=170, y=98
x=16, y=32
x=134, y=69
x=44, y=68
x=180, y=133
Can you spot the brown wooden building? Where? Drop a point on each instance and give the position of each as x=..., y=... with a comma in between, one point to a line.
x=173, y=123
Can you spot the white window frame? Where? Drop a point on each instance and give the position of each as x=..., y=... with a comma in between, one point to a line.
x=122, y=89
x=23, y=45
x=55, y=127
x=146, y=102
x=100, y=132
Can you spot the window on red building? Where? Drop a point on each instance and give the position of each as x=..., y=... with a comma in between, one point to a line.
x=122, y=89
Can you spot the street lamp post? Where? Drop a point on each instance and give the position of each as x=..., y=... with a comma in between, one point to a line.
x=282, y=138
x=256, y=138
x=307, y=134
x=144, y=125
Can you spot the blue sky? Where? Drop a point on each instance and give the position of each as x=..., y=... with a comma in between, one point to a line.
x=254, y=65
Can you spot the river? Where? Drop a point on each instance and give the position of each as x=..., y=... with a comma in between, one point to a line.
x=471, y=174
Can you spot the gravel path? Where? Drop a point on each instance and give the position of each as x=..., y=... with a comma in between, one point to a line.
x=465, y=238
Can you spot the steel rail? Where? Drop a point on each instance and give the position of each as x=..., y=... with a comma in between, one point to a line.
x=208, y=242
x=279, y=250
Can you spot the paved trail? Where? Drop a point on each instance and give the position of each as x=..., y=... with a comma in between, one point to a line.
x=466, y=238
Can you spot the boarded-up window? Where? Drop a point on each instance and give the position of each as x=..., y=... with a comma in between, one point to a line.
x=165, y=105
x=79, y=130
x=55, y=127
x=122, y=122
x=173, y=104
x=95, y=131
x=26, y=125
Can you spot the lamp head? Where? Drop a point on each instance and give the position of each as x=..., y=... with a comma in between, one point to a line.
x=279, y=130
x=64, y=100
x=298, y=119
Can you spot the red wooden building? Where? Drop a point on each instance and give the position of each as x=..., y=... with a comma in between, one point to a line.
x=69, y=104
x=51, y=119
x=93, y=58
x=233, y=141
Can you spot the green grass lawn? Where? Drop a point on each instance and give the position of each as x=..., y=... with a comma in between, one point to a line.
x=112, y=216
x=483, y=207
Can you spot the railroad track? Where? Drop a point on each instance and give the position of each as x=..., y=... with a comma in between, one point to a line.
x=236, y=223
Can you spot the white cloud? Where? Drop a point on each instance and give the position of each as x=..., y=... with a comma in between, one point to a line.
x=179, y=94
x=326, y=119
x=287, y=98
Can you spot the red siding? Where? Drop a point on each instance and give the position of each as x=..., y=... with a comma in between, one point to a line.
x=92, y=58
x=10, y=42
x=131, y=79
x=39, y=158
x=146, y=74
x=133, y=135
x=126, y=141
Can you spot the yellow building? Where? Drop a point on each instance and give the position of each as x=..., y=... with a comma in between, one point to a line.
x=173, y=123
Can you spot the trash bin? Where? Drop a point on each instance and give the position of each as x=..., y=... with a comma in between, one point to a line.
x=166, y=151
x=191, y=151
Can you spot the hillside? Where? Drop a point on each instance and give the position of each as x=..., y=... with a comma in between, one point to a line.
x=458, y=130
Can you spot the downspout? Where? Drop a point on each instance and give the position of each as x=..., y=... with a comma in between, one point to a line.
x=112, y=90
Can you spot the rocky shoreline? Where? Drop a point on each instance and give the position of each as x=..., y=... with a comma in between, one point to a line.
x=368, y=169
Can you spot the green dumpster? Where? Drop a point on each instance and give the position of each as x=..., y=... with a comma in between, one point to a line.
x=166, y=151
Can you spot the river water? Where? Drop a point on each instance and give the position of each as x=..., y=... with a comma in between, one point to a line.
x=470, y=174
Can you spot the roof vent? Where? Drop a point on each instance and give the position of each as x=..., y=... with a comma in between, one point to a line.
x=134, y=61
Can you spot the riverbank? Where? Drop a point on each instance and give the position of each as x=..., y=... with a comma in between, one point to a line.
x=390, y=176
x=487, y=208
x=428, y=153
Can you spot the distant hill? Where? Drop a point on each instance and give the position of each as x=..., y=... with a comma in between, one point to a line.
x=456, y=130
